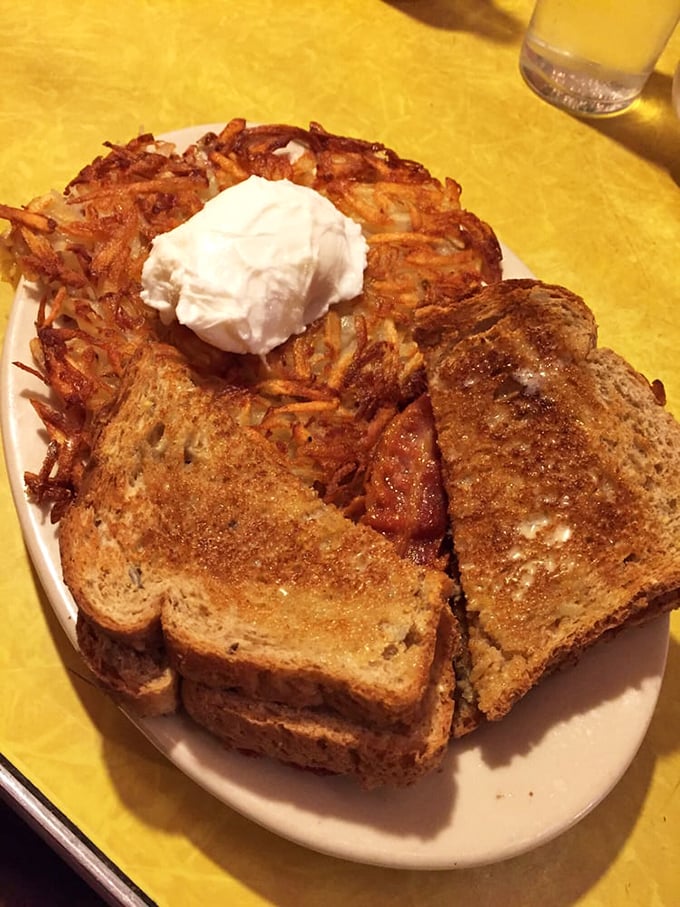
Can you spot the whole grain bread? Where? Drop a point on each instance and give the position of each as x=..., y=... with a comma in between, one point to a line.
x=563, y=475
x=320, y=740
x=189, y=529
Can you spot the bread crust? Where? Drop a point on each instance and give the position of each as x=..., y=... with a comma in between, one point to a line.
x=141, y=680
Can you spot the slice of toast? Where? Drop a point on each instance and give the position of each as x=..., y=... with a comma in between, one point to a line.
x=322, y=741
x=188, y=528
x=563, y=476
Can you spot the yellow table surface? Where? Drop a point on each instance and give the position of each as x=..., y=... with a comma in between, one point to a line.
x=592, y=205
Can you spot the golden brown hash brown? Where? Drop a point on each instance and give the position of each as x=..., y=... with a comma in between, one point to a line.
x=324, y=397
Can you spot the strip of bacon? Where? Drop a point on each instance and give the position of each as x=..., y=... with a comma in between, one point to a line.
x=405, y=497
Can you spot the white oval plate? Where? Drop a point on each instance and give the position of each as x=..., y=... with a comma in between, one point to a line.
x=502, y=791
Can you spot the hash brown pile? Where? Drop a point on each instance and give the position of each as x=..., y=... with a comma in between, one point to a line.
x=325, y=397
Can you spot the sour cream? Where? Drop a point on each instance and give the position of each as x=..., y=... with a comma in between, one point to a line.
x=257, y=264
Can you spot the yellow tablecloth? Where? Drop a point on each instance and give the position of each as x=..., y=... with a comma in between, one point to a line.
x=592, y=205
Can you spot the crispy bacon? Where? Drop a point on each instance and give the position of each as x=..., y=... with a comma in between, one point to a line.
x=405, y=497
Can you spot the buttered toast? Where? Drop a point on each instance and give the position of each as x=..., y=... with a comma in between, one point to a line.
x=322, y=740
x=563, y=475
x=188, y=528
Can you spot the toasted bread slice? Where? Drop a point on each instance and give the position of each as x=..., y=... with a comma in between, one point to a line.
x=190, y=526
x=563, y=476
x=322, y=741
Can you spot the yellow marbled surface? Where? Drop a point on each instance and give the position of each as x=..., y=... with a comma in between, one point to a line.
x=592, y=205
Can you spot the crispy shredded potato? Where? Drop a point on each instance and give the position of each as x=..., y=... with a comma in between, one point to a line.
x=325, y=397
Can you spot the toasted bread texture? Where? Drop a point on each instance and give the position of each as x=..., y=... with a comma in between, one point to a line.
x=563, y=475
x=189, y=529
x=323, y=741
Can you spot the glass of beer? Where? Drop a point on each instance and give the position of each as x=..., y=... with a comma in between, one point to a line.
x=593, y=57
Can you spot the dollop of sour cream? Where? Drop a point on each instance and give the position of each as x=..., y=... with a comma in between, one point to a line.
x=257, y=264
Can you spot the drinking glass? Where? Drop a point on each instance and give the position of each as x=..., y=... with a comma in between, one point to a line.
x=593, y=57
